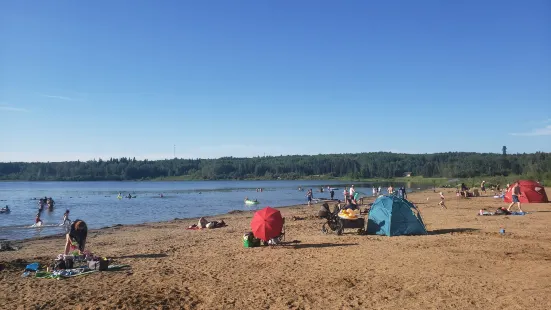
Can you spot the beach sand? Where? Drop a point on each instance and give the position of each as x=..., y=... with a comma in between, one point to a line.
x=465, y=263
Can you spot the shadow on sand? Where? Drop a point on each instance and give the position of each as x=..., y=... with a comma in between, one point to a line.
x=160, y=255
x=320, y=245
x=452, y=230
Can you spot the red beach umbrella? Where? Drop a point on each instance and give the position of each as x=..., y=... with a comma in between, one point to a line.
x=267, y=224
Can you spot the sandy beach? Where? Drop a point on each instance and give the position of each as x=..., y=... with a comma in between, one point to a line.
x=464, y=263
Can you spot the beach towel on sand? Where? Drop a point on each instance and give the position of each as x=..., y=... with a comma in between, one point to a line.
x=496, y=213
x=71, y=273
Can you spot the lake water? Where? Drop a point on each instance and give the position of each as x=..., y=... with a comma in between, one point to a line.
x=97, y=203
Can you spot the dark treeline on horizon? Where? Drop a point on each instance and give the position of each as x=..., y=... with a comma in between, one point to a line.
x=361, y=165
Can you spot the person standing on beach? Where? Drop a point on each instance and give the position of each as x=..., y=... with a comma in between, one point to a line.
x=332, y=193
x=309, y=196
x=441, y=203
x=483, y=187
x=515, y=195
x=345, y=194
x=352, y=192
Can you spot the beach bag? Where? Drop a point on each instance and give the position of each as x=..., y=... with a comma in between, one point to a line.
x=101, y=264
x=68, y=262
x=59, y=264
x=249, y=241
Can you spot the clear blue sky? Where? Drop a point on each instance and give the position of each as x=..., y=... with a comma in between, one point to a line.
x=244, y=78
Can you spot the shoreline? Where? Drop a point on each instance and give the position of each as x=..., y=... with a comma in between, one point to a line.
x=174, y=220
x=26, y=233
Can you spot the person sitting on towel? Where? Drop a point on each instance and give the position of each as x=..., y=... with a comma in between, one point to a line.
x=76, y=236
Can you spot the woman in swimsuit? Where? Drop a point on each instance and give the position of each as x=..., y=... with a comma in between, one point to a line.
x=76, y=238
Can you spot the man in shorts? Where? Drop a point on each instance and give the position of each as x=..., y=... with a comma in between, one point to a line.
x=441, y=203
x=515, y=195
x=483, y=187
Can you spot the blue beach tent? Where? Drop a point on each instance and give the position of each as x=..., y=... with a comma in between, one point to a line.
x=394, y=216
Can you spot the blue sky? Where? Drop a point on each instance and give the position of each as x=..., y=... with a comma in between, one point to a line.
x=247, y=78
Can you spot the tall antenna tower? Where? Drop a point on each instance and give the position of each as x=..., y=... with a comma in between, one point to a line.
x=174, y=150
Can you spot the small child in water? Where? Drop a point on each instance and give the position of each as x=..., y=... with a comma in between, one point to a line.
x=66, y=217
x=38, y=221
x=441, y=203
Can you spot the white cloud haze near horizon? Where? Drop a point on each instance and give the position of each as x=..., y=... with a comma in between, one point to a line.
x=545, y=131
x=9, y=108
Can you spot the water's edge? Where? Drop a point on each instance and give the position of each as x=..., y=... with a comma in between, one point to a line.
x=190, y=219
x=176, y=219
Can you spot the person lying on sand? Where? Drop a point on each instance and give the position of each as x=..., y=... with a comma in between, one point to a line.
x=204, y=223
x=502, y=211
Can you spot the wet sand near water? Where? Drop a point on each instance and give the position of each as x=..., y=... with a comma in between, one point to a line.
x=465, y=263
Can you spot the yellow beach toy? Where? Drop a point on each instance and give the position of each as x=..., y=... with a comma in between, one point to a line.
x=349, y=214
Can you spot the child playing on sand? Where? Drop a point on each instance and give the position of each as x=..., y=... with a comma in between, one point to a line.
x=441, y=203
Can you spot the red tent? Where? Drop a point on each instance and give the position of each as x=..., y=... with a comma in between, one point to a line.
x=267, y=224
x=531, y=192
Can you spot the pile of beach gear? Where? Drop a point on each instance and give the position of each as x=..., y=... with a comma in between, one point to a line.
x=68, y=266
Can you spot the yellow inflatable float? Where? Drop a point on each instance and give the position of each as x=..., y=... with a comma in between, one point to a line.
x=349, y=214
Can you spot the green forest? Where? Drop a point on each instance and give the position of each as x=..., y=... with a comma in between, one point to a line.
x=350, y=166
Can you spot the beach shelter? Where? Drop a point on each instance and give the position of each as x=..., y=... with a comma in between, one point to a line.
x=531, y=192
x=267, y=224
x=394, y=216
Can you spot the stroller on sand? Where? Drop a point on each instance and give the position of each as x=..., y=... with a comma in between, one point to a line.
x=333, y=222
x=336, y=224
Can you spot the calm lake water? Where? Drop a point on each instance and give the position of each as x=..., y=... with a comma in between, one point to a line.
x=97, y=203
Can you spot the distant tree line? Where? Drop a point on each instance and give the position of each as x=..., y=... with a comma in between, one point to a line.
x=356, y=166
